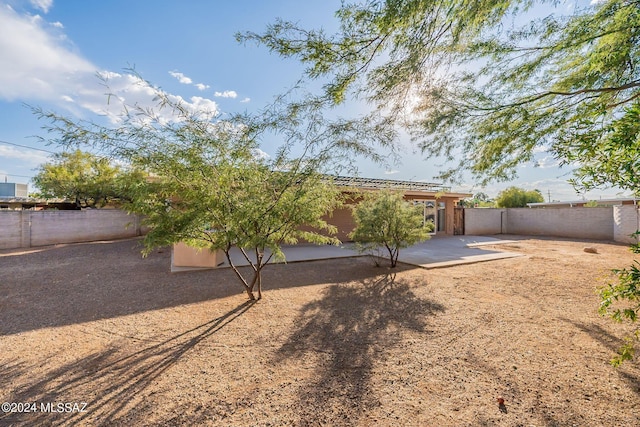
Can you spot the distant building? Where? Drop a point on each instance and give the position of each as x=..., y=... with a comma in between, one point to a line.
x=583, y=203
x=16, y=197
x=11, y=190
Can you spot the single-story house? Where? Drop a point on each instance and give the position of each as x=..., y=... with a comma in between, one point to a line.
x=439, y=202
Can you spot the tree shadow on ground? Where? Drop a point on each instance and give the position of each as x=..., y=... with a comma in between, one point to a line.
x=346, y=334
x=613, y=343
x=85, y=282
x=116, y=383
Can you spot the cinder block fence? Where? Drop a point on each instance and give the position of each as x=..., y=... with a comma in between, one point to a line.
x=615, y=223
x=25, y=229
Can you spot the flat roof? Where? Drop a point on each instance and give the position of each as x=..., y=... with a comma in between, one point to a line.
x=580, y=202
x=393, y=184
x=29, y=200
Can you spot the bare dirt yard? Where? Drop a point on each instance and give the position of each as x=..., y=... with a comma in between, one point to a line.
x=333, y=343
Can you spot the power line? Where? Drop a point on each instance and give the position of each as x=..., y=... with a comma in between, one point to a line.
x=26, y=146
x=20, y=176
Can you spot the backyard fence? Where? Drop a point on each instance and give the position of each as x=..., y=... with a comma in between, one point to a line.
x=25, y=229
x=615, y=223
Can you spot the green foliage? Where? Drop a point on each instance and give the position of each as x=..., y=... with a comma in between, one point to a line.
x=625, y=292
x=385, y=219
x=486, y=93
x=430, y=227
x=87, y=179
x=635, y=248
x=474, y=86
x=481, y=197
x=514, y=197
x=609, y=155
x=211, y=187
x=218, y=194
x=479, y=200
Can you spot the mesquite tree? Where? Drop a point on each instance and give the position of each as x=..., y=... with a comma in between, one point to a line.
x=479, y=82
x=385, y=220
x=208, y=183
x=89, y=180
x=476, y=83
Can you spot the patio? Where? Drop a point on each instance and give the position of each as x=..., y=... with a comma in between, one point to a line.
x=440, y=251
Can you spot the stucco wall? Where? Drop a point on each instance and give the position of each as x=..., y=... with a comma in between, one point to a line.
x=343, y=219
x=42, y=228
x=626, y=221
x=483, y=221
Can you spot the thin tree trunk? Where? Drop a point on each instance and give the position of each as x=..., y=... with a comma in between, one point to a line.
x=247, y=288
x=392, y=256
x=259, y=257
x=254, y=280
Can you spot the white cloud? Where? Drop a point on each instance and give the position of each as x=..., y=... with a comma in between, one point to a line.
x=547, y=162
x=391, y=172
x=541, y=149
x=130, y=90
x=204, y=104
x=30, y=157
x=244, y=101
x=36, y=64
x=58, y=24
x=188, y=81
x=43, y=5
x=226, y=94
x=181, y=78
x=261, y=154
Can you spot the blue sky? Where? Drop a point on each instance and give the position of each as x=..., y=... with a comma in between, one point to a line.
x=50, y=52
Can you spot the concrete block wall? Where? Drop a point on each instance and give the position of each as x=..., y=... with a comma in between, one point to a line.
x=25, y=229
x=626, y=220
x=581, y=223
x=482, y=221
x=10, y=229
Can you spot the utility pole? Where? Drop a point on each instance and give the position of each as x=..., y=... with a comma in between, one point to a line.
x=549, y=195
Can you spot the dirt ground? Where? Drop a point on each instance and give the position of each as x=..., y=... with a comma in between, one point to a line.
x=335, y=342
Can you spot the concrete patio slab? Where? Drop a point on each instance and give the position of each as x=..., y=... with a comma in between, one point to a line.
x=446, y=251
x=440, y=251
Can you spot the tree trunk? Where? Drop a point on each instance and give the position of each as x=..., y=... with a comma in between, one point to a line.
x=253, y=284
x=393, y=256
x=259, y=284
x=247, y=288
x=258, y=273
